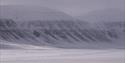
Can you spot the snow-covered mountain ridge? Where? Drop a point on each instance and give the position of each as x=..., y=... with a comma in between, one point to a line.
x=39, y=26
x=63, y=34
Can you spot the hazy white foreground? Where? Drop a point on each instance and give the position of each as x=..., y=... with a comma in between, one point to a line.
x=63, y=56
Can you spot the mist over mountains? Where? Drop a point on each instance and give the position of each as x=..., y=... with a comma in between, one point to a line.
x=46, y=27
x=105, y=15
x=30, y=13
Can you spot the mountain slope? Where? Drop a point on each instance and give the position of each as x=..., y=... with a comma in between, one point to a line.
x=62, y=34
x=29, y=13
x=23, y=26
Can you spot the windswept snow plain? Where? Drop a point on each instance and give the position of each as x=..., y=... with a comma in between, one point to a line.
x=63, y=56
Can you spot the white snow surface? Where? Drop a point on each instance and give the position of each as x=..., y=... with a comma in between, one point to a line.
x=63, y=56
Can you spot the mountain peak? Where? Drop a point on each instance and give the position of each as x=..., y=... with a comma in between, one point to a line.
x=27, y=13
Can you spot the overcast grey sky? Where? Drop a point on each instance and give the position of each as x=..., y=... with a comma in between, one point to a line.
x=72, y=7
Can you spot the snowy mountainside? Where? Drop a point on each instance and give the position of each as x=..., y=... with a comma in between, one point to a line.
x=61, y=34
x=7, y=23
x=40, y=26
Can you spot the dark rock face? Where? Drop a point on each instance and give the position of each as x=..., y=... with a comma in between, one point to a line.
x=7, y=23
